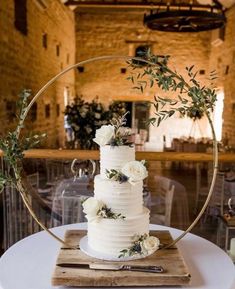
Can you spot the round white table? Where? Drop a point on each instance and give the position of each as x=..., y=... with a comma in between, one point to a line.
x=29, y=263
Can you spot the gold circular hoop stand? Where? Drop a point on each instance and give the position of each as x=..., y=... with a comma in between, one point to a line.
x=126, y=58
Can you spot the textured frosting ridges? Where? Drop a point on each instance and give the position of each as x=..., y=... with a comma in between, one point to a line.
x=123, y=198
x=115, y=157
x=110, y=236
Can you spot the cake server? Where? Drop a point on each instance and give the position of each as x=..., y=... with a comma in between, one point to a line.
x=113, y=267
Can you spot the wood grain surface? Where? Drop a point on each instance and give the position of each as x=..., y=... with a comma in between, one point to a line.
x=176, y=272
x=140, y=155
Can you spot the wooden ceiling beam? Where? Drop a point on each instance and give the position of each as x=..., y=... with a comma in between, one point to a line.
x=129, y=4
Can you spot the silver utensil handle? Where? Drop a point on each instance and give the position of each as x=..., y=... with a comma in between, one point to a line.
x=151, y=269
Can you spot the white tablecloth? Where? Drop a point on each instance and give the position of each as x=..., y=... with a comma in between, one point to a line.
x=29, y=263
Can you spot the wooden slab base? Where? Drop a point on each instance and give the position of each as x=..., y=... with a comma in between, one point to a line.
x=176, y=272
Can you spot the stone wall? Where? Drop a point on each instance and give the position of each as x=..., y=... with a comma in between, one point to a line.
x=26, y=63
x=222, y=59
x=114, y=33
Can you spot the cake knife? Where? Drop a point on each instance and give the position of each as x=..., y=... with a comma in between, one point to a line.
x=113, y=267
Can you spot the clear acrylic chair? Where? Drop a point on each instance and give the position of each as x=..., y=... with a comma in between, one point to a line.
x=161, y=209
x=218, y=200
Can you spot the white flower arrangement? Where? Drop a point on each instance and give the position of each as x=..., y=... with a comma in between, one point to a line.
x=150, y=244
x=115, y=134
x=132, y=172
x=96, y=209
x=142, y=245
x=91, y=207
x=104, y=135
x=135, y=171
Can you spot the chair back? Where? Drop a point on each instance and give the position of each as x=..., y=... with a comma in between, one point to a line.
x=162, y=203
x=162, y=183
x=217, y=198
x=17, y=222
x=217, y=203
x=55, y=169
x=169, y=194
x=33, y=179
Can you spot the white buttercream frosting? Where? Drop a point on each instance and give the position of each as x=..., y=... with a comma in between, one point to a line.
x=110, y=236
x=123, y=198
x=115, y=157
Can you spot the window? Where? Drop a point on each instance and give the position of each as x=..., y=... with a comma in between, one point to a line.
x=57, y=50
x=140, y=51
x=80, y=69
x=21, y=16
x=44, y=40
x=33, y=112
x=136, y=119
x=139, y=112
x=47, y=110
x=202, y=71
x=57, y=109
x=10, y=110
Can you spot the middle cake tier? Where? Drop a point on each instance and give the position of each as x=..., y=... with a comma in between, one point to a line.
x=122, y=198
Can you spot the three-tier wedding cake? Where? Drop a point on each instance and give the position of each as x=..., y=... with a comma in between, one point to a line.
x=118, y=223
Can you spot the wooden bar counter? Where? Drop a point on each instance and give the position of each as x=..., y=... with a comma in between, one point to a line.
x=140, y=155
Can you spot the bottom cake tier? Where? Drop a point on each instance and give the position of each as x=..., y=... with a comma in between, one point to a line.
x=110, y=236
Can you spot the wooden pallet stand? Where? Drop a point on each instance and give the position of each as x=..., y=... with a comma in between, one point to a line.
x=176, y=272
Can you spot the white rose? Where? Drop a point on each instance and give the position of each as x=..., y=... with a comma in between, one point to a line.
x=135, y=171
x=91, y=207
x=150, y=244
x=104, y=134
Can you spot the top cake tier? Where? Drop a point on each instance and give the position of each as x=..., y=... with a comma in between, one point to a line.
x=115, y=157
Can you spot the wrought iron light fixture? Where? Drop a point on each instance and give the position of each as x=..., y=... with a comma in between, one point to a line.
x=186, y=17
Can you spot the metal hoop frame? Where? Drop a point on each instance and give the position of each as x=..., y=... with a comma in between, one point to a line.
x=126, y=58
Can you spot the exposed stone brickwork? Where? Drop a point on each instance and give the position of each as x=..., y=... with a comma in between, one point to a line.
x=114, y=33
x=223, y=61
x=25, y=63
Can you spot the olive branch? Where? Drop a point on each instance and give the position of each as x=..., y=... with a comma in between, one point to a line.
x=192, y=100
x=13, y=148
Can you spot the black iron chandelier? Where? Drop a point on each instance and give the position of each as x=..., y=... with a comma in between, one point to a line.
x=186, y=17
